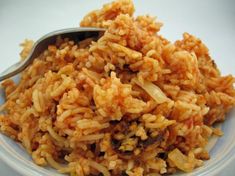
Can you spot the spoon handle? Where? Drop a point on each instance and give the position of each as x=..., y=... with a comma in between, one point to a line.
x=13, y=70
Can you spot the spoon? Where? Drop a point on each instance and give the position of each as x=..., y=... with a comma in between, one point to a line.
x=75, y=34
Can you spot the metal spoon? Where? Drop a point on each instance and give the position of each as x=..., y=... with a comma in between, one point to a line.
x=76, y=34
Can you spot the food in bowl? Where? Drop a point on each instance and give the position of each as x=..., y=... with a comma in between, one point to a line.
x=131, y=103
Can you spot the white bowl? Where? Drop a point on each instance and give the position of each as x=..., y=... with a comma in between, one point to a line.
x=221, y=151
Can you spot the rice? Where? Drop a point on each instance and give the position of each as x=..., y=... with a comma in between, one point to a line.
x=131, y=103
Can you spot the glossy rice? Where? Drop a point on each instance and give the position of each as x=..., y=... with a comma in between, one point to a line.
x=131, y=103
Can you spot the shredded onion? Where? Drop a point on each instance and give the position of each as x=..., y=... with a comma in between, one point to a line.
x=55, y=164
x=180, y=160
x=153, y=90
x=99, y=167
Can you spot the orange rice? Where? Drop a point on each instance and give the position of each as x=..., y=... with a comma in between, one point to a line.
x=131, y=103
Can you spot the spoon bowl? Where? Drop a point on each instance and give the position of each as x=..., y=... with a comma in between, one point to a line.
x=76, y=34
